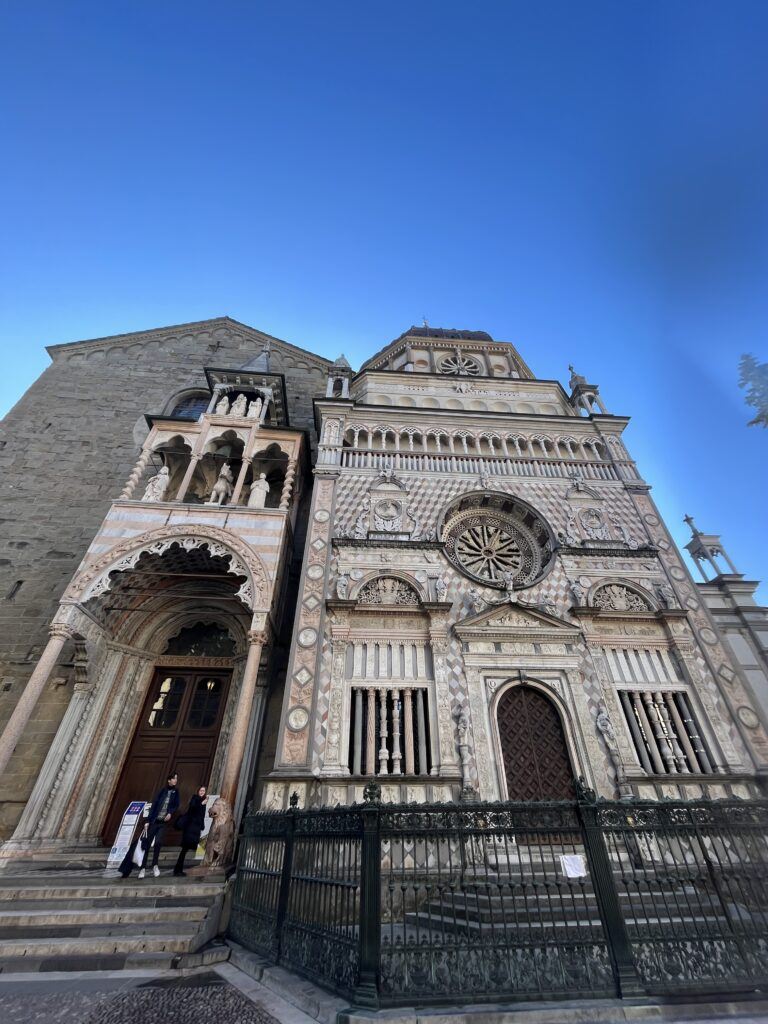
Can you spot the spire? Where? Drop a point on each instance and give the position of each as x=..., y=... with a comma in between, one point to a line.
x=260, y=363
x=340, y=363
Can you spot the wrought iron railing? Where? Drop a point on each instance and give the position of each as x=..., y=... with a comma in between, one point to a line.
x=394, y=904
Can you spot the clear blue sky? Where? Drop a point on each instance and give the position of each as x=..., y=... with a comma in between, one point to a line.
x=588, y=180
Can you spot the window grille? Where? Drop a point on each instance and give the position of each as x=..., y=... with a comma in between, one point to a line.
x=389, y=731
x=191, y=406
x=665, y=732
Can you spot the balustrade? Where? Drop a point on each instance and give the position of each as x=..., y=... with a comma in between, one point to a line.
x=493, y=465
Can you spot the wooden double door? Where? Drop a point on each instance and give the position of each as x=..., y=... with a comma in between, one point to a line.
x=537, y=765
x=178, y=730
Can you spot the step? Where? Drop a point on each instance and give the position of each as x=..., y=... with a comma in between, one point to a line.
x=154, y=961
x=95, y=945
x=110, y=888
x=24, y=917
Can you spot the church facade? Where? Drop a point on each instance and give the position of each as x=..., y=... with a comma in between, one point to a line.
x=439, y=573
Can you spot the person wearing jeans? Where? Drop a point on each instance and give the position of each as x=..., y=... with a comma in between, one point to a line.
x=165, y=804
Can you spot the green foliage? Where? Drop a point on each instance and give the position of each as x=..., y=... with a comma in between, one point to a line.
x=754, y=377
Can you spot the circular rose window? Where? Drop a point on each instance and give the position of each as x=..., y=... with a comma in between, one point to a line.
x=460, y=364
x=495, y=539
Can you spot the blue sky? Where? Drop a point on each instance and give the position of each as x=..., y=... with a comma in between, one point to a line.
x=588, y=180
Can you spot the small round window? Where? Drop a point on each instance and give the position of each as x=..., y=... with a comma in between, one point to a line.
x=460, y=364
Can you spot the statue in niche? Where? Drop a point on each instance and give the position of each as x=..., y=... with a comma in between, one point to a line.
x=342, y=586
x=157, y=487
x=222, y=406
x=254, y=408
x=239, y=406
x=578, y=592
x=666, y=595
x=259, y=491
x=441, y=588
x=222, y=489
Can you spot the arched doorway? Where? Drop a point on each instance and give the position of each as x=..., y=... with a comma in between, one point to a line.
x=537, y=765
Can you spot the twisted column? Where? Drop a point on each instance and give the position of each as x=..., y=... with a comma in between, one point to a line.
x=138, y=469
x=285, y=497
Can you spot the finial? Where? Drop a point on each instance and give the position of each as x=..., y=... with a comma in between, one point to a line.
x=424, y=321
x=692, y=525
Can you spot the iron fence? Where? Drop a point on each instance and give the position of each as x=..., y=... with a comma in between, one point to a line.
x=399, y=904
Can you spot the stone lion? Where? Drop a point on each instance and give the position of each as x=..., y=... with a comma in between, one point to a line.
x=220, y=842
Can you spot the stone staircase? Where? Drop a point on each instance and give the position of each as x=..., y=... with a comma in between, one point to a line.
x=68, y=915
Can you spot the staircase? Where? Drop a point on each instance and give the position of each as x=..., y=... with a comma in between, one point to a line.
x=69, y=915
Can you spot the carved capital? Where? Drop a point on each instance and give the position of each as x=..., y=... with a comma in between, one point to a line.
x=61, y=631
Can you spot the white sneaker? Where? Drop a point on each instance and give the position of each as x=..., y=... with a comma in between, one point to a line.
x=156, y=871
x=142, y=873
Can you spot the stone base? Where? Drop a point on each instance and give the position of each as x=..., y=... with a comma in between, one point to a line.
x=343, y=791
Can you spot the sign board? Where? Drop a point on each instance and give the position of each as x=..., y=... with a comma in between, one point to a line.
x=200, y=851
x=122, y=842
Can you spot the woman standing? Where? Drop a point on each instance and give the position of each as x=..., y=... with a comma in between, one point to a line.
x=191, y=824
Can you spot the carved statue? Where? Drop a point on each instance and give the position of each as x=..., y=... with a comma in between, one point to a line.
x=475, y=600
x=578, y=592
x=157, y=487
x=222, y=489
x=621, y=530
x=462, y=727
x=222, y=406
x=239, y=406
x=259, y=491
x=342, y=586
x=666, y=594
x=411, y=511
x=441, y=588
x=603, y=723
x=549, y=607
x=361, y=527
x=509, y=586
x=220, y=841
x=254, y=408
x=593, y=524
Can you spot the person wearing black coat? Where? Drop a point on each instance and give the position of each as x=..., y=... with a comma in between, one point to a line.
x=164, y=806
x=191, y=823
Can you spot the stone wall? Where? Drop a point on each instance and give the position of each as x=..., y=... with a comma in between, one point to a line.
x=66, y=450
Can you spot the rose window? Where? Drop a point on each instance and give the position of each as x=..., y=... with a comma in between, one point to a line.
x=460, y=364
x=496, y=540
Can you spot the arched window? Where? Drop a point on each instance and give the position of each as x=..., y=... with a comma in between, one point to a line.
x=190, y=406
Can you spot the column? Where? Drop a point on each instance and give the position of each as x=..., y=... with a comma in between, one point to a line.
x=396, y=751
x=677, y=751
x=370, y=748
x=692, y=728
x=193, y=461
x=59, y=634
x=637, y=735
x=383, y=751
x=408, y=723
x=235, y=499
x=690, y=753
x=236, y=749
x=421, y=731
x=135, y=476
x=658, y=764
x=285, y=497
x=357, y=755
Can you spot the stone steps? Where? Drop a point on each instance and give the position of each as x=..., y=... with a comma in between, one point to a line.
x=55, y=919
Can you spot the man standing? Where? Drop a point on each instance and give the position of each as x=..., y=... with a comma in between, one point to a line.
x=163, y=807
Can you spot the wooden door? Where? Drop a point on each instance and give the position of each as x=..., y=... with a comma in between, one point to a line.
x=178, y=729
x=536, y=761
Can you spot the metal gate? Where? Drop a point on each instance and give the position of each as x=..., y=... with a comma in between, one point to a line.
x=391, y=904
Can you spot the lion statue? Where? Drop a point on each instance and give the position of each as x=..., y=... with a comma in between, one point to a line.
x=220, y=841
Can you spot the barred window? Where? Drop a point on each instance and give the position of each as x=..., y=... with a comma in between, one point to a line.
x=665, y=732
x=191, y=406
x=389, y=731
